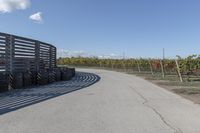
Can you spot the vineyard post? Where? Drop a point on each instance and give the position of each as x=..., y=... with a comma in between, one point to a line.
x=162, y=68
x=102, y=64
x=124, y=66
x=112, y=64
x=178, y=70
x=139, y=70
x=133, y=65
x=150, y=66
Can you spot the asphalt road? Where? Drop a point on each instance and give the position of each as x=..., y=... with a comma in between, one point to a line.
x=118, y=103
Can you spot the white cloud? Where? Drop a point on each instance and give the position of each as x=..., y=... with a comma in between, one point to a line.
x=68, y=53
x=37, y=17
x=7, y=6
x=110, y=56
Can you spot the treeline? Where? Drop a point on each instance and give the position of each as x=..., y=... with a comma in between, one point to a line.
x=191, y=64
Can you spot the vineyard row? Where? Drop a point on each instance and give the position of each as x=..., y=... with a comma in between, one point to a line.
x=183, y=66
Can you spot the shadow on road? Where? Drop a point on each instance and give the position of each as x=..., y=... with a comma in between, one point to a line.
x=14, y=100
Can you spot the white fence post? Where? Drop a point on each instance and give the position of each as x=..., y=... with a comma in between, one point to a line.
x=178, y=70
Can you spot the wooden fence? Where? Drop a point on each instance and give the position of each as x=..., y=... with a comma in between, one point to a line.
x=19, y=54
x=25, y=62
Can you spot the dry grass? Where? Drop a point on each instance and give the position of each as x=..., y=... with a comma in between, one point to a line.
x=187, y=91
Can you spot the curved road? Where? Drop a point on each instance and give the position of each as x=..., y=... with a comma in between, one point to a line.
x=118, y=103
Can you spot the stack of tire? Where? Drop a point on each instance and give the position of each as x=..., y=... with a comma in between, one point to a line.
x=19, y=80
x=29, y=79
x=42, y=77
x=57, y=74
x=3, y=82
x=66, y=74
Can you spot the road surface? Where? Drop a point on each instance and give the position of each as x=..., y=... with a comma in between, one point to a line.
x=118, y=103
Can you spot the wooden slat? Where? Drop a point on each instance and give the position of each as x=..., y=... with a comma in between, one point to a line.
x=41, y=50
x=24, y=39
x=22, y=45
x=45, y=55
x=2, y=46
x=29, y=57
x=28, y=49
x=2, y=37
x=45, y=50
x=17, y=41
x=2, y=42
x=2, y=49
x=45, y=45
x=31, y=52
x=17, y=54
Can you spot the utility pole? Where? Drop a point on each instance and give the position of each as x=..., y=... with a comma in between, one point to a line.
x=124, y=61
x=163, y=54
x=123, y=55
x=163, y=63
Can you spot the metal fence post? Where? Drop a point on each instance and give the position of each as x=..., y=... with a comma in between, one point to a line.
x=37, y=60
x=50, y=58
x=9, y=61
x=55, y=57
x=37, y=56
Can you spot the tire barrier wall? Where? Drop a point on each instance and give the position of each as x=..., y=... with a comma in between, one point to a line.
x=29, y=79
x=21, y=80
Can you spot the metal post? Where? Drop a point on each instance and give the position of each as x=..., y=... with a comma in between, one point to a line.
x=50, y=58
x=9, y=61
x=37, y=56
x=124, y=66
x=37, y=61
x=55, y=57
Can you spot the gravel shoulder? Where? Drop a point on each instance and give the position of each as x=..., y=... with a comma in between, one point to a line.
x=188, y=90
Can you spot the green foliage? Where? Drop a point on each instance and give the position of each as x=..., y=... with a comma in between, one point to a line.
x=191, y=63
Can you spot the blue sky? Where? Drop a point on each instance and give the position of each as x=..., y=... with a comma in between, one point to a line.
x=138, y=28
